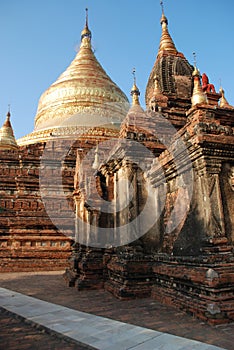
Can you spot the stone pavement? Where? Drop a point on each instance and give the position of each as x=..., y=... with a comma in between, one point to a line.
x=96, y=331
x=16, y=334
x=145, y=313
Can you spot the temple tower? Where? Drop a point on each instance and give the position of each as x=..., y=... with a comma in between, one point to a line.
x=169, y=86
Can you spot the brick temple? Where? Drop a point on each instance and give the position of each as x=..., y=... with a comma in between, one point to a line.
x=137, y=201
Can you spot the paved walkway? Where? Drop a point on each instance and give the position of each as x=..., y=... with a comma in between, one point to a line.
x=18, y=334
x=98, y=332
x=97, y=320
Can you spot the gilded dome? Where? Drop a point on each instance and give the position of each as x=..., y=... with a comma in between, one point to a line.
x=84, y=93
x=83, y=96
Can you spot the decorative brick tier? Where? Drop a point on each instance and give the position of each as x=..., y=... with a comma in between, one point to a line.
x=129, y=278
x=85, y=269
x=29, y=241
x=196, y=285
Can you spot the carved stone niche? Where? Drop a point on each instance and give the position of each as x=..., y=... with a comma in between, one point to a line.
x=227, y=190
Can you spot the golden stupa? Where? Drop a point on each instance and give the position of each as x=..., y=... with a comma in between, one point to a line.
x=82, y=99
x=7, y=138
x=198, y=95
x=223, y=101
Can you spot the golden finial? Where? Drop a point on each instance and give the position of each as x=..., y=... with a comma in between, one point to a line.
x=8, y=115
x=163, y=18
x=198, y=95
x=161, y=3
x=9, y=112
x=196, y=71
x=135, y=93
x=194, y=59
x=134, y=75
x=86, y=17
x=86, y=33
x=166, y=42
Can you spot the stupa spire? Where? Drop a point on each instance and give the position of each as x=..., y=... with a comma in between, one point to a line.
x=86, y=34
x=135, y=92
x=166, y=43
x=168, y=66
x=7, y=121
x=86, y=17
x=223, y=101
x=198, y=95
x=7, y=138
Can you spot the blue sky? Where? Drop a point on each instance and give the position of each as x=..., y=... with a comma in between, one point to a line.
x=39, y=39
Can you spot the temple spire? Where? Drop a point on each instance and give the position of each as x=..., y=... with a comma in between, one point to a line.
x=198, y=95
x=86, y=17
x=167, y=45
x=86, y=34
x=196, y=70
x=135, y=93
x=162, y=5
x=194, y=59
x=7, y=138
x=223, y=101
x=8, y=116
